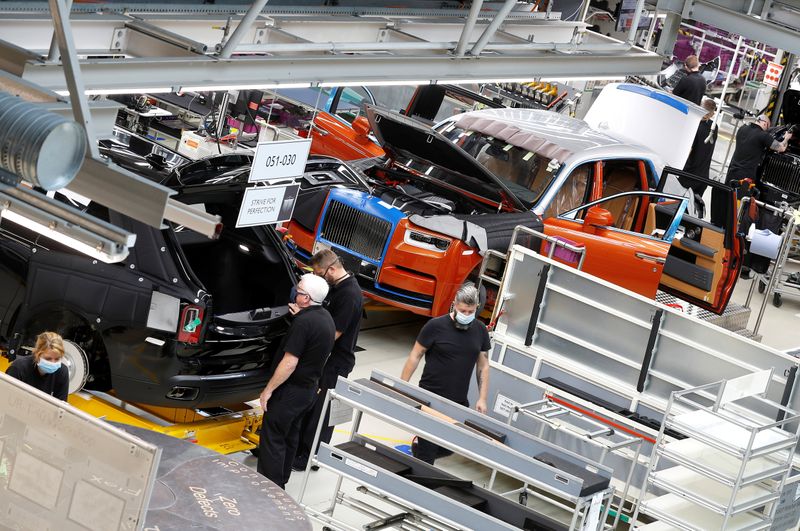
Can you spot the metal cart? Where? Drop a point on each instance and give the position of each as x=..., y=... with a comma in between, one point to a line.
x=776, y=281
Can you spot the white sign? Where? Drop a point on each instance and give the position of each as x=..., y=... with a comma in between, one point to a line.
x=503, y=405
x=280, y=159
x=263, y=205
x=773, y=74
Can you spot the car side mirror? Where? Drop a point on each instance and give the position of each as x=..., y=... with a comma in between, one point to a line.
x=597, y=217
x=361, y=126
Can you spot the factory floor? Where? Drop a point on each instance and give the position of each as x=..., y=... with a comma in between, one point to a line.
x=387, y=336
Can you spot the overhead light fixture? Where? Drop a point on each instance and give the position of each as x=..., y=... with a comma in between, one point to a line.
x=504, y=80
x=249, y=86
x=128, y=90
x=566, y=79
x=65, y=225
x=374, y=83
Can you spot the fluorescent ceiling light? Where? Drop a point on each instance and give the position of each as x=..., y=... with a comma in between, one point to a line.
x=102, y=92
x=64, y=239
x=373, y=83
x=250, y=86
x=581, y=78
x=471, y=81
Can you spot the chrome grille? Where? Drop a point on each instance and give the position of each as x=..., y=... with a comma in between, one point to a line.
x=782, y=170
x=357, y=231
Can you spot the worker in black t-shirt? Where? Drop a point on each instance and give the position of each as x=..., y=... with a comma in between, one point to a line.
x=691, y=87
x=752, y=140
x=292, y=389
x=43, y=369
x=453, y=345
x=346, y=305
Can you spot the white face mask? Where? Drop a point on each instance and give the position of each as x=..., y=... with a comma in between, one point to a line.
x=464, y=318
x=49, y=367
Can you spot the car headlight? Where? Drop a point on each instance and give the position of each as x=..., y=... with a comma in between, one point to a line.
x=424, y=240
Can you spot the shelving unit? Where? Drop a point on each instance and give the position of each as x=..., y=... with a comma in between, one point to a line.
x=730, y=470
x=577, y=488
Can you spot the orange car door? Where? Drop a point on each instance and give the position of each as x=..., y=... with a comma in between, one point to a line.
x=615, y=253
x=335, y=138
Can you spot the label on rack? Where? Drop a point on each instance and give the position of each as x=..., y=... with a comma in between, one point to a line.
x=358, y=466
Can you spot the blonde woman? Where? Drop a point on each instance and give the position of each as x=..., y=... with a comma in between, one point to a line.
x=44, y=370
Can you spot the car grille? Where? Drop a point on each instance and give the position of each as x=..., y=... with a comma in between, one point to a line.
x=357, y=231
x=782, y=170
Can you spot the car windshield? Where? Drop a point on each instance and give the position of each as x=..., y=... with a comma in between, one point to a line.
x=525, y=173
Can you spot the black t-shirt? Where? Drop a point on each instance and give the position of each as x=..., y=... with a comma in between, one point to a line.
x=699, y=160
x=57, y=384
x=691, y=87
x=751, y=142
x=345, y=304
x=450, y=356
x=310, y=338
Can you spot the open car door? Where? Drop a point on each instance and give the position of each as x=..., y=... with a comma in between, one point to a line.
x=706, y=254
x=620, y=249
x=341, y=130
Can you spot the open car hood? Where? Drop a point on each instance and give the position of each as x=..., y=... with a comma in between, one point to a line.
x=404, y=138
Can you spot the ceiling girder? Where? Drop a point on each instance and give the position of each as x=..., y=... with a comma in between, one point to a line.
x=770, y=22
x=344, y=69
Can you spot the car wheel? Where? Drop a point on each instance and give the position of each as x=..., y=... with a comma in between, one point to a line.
x=77, y=363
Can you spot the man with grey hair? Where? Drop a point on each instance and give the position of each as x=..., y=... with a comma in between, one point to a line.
x=453, y=345
x=292, y=389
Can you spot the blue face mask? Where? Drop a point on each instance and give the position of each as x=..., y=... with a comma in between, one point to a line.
x=48, y=367
x=292, y=294
x=464, y=319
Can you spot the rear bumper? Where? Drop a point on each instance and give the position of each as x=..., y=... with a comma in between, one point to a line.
x=199, y=390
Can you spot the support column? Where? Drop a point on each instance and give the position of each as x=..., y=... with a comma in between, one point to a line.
x=788, y=61
x=669, y=34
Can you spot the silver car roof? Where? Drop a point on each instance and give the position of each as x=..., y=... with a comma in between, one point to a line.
x=569, y=134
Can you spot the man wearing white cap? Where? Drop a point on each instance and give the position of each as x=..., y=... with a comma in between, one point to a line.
x=292, y=389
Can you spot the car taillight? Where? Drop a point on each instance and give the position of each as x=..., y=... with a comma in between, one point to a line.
x=191, y=324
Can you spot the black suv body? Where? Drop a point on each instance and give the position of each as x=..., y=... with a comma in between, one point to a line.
x=184, y=321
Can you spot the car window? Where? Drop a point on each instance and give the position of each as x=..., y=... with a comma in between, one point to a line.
x=656, y=226
x=526, y=173
x=573, y=193
x=620, y=176
x=350, y=105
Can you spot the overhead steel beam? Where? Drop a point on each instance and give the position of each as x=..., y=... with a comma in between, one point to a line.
x=166, y=37
x=492, y=28
x=765, y=31
x=103, y=112
x=469, y=25
x=138, y=74
x=123, y=191
x=28, y=91
x=13, y=58
x=95, y=32
x=242, y=28
x=52, y=55
x=72, y=71
x=288, y=8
